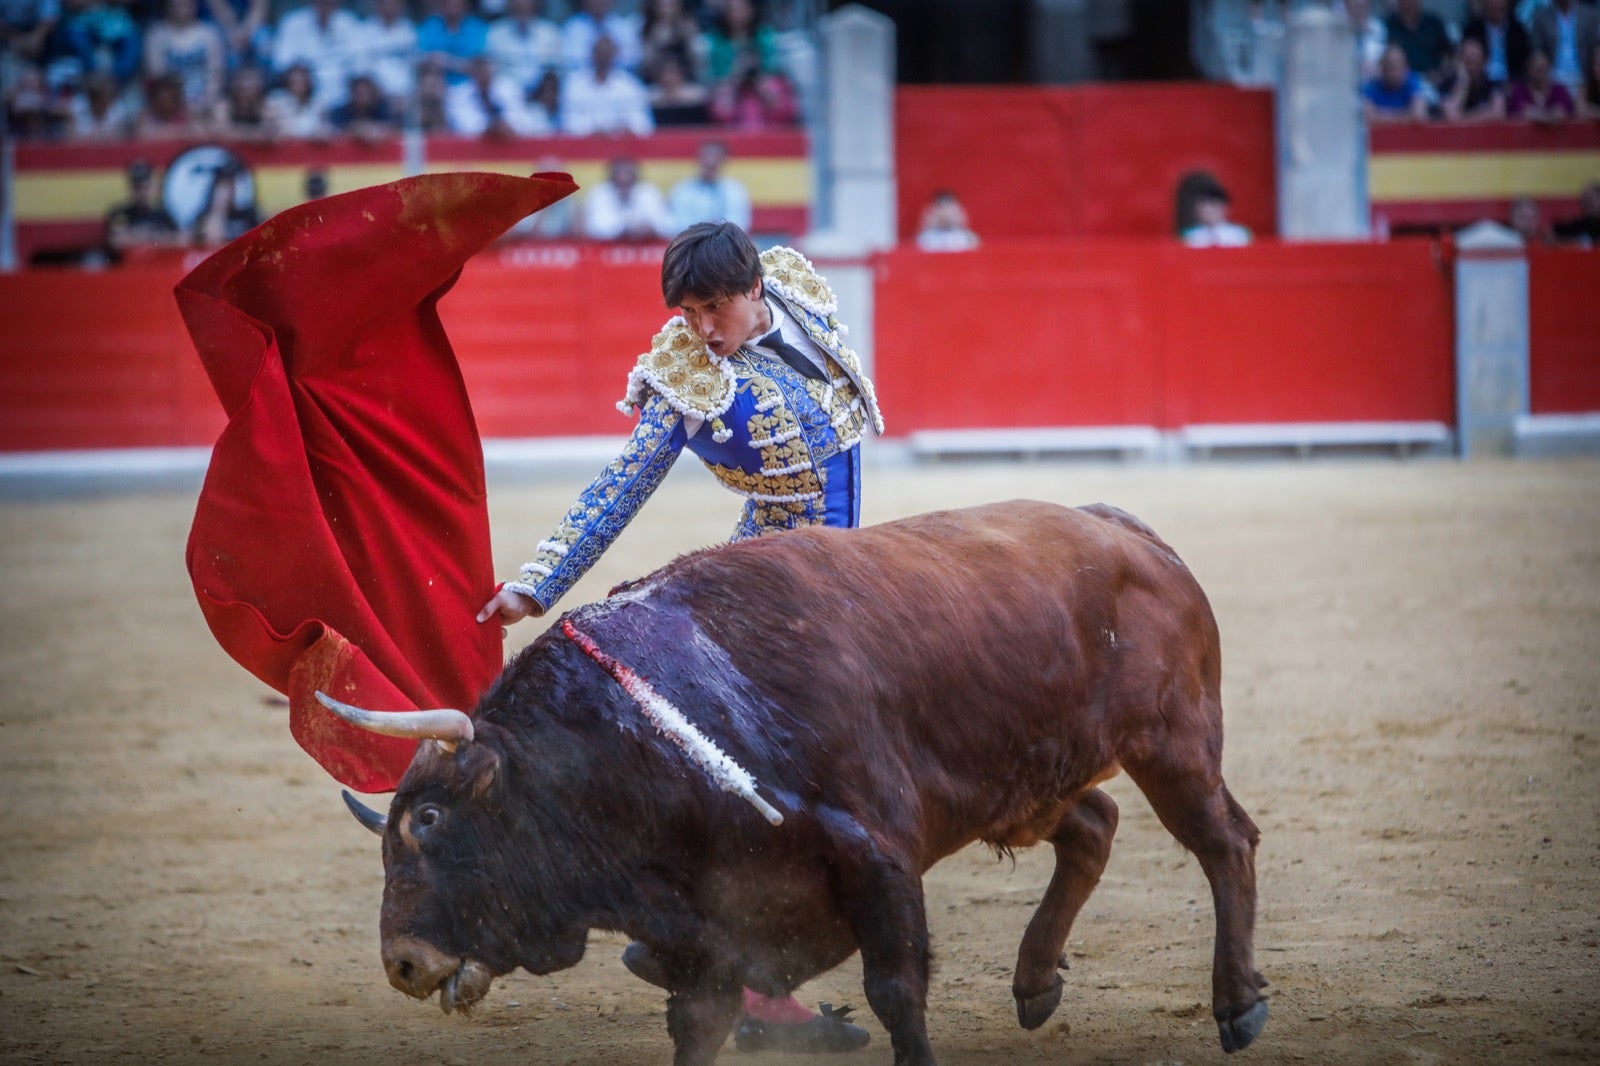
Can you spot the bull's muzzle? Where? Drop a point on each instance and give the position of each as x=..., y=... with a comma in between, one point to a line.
x=419, y=969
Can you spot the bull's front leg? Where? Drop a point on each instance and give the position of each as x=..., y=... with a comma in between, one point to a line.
x=699, y=1022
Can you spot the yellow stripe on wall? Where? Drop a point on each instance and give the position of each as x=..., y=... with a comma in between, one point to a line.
x=1442, y=176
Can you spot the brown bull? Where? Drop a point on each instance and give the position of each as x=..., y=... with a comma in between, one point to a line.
x=895, y=693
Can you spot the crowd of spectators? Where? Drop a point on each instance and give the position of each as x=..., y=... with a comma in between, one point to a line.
x=149, y=69
x=1533, y=61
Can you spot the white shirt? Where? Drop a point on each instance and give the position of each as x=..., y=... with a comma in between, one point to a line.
x=1222, y=235
x=333, y=54
x=607, y=216
x=466, y=113
x=388, y=52
x=620, y=104
x=723, y=200
x=580, y=32
x=523, y=52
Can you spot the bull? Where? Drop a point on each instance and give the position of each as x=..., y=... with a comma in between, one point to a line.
x=894, y=693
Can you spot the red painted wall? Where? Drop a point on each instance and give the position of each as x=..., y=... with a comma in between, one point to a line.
x=1022, y=334
x=1564, y=330
x=1091, y=161
x=1016, y=334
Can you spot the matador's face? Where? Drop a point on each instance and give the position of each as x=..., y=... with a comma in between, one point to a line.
x=725, y=322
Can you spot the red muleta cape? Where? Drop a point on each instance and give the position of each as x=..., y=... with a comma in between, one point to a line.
x=341, y=540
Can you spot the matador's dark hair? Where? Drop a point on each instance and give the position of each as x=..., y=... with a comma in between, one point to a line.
x=707, y=260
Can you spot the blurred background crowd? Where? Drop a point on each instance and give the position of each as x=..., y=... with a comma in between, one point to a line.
x=258, y=70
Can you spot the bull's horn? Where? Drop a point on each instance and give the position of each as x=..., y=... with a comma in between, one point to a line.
x=446, y=725
x=364, y=814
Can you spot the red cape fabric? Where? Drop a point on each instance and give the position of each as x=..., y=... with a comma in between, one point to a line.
x=341, y=540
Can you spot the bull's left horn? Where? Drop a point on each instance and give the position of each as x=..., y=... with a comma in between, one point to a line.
x=364, y=814
x=446, y=725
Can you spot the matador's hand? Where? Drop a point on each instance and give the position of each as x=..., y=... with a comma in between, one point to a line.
x=510, y=607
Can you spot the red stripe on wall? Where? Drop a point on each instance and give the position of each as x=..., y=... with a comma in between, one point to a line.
x=1451, y=214
x=667, y=145
x=1484, y=137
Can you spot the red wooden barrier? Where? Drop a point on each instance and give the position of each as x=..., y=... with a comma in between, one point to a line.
x=1564, y=330
x=1151, y=333
x=1015, y=334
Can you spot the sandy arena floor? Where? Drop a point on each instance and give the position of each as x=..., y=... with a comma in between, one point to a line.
x=1413, y=691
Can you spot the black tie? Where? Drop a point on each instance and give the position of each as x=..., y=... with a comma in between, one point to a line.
x=791, y=355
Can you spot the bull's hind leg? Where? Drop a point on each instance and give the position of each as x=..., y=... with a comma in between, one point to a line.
x=1082, y=841
x=892, y=928
x=699, y=1022
x=1196, y=807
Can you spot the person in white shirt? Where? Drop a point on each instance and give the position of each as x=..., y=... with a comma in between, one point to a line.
x=522, y=44
x=710, y=196
x=326, y=39
x=1211, y=227
x=387, y=51
x=624, y=208
x=597, y=20
x=491, y=104
x=606, y=99
x=944, y=225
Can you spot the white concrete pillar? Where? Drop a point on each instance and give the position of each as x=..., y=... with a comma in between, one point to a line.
x=854, y=141
x=1491, y=339
x=1322, y=138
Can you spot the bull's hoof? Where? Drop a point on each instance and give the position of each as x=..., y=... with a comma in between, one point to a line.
x=1034, y=1011
x=1242, y=1031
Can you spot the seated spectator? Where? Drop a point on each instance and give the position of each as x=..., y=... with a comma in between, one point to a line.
x=432, y=88
x=1539, y=97
x=605, y=98
x=453, y=37
x=1524, y=217
x=25, y=27
x=739, y=41
x=944, y=225
x=229, y=212
x=1422, y=36
x=544, y=100
x=1589, y=100
x=1203, y=214
x=387, y=45
x=165, y=115
x=593, y=20
x=624, y=208
x=1369, y=34
x=325, y=39
x=246, y=29
x=710, y=195
x=1470, y=95
x=33, y=110
x=1503, y=39
x=490, y=104
x=1566, y=32
x=1396, y=94
x=190, y=50
x=93, y=36
x=755, y=100
x=98, y=111
x=558, y=220
x=365, y=115
x=675, y=101
x=242, y=114
x=141, y=221
x=670, y=34
x=294, y=108
x=523, y=44
x=1584, y=230
x=315, y=186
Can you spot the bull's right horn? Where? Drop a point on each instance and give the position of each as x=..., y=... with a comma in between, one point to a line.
x=446, y=725
x=364, y=814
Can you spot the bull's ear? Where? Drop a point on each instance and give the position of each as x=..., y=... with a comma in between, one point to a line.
x=479, y=765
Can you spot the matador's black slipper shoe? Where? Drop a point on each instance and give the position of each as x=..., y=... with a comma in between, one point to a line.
x=829, y=1031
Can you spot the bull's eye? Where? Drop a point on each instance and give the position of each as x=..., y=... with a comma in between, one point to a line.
x=429, y=814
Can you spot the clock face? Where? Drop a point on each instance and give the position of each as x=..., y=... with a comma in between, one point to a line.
x=189, y=177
